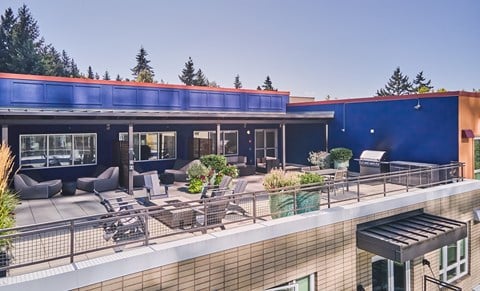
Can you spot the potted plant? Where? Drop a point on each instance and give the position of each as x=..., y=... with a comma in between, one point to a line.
x=198, y=177
x=8, y=202
x=320, y=159
x=309, y=200
x=341, y=157
x=281, y=199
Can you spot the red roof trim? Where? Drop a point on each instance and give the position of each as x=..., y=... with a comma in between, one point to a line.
x=390, y=98
x=124, y=83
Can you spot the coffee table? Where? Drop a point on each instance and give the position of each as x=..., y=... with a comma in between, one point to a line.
x=176, y=213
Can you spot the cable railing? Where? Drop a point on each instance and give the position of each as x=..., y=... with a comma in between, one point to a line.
x=47, y=245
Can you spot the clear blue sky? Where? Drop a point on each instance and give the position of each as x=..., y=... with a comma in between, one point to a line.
x=310, y=48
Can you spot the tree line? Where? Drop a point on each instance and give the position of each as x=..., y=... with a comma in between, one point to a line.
x=24, y=51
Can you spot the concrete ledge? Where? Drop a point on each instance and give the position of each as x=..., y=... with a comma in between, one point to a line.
x=113, y=266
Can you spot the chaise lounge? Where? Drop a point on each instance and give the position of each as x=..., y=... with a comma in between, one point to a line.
x=28, y=188
x=106, y=181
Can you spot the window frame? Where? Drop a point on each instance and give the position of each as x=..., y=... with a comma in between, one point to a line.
x=47, y=149
x=159, y=144
x=475, y=170
x=222, y=139
x=391, y=272
x=266, y=148
x=443, y=273
x=294, y=286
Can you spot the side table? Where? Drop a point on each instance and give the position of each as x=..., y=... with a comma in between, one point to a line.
x=69, y=188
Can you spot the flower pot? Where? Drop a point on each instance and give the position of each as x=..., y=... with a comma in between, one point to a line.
x=340, y=164
x=308, y=201
x=281, y=205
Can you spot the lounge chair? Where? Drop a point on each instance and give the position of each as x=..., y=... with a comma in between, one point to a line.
x=211, y=214
x=210, y=190
x=106, y=181
x=139, y=177
x=126, y=226
x=240, y=187
x=152, y=184
x=28, y=188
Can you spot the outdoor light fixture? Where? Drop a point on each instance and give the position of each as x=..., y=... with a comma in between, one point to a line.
x=418, y=106
x=107, y=127
x=372, y=131
x=248, y=131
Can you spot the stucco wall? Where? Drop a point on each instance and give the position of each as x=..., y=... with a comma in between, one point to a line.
x=469, y=118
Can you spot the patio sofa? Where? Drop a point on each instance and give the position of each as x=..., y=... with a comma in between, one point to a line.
x=180, y=169
x=237, y=161
x=266, y=164
x=29, y=188
x=106, y=181
x=139, y=177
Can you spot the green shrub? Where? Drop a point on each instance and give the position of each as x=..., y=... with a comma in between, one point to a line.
x=341, y=154
x=195, y=185
x=214, y=162
x=229, y=170
x=197, y=171
x=310, y=178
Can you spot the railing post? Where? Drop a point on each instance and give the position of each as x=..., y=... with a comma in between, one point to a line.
x=328, y=195
x=407, y=180
x=358, y=189
x=72, y=240
x=147, y=231
x=384, y=185
x=254, y=208
x=295, y=201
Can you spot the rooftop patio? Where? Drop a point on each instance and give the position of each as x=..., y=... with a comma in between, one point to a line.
x=66, y=229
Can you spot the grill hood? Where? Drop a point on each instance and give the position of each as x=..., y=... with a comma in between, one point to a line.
x=372, y=155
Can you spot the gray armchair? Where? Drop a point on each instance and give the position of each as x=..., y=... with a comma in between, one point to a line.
x=29, y=188
x=106, y=181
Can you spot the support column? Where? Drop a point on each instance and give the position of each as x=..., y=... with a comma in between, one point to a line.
x=130, y=158
x=5, y=133
x=326, y=137
x=284, y=149
x=219, y=148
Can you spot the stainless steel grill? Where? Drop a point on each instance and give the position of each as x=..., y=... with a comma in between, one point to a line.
x=373, y=162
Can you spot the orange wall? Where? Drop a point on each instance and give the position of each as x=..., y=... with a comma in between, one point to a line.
x=468, y=118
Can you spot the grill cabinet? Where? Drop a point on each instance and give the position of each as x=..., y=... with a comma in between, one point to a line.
x=373, y=162
x=416, y=179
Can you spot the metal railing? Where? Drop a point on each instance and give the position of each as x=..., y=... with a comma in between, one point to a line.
x=439, y=285
x=58, y=243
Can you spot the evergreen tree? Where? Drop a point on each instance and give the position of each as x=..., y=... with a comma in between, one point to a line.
x=420, y=85
x=200, y=79
x=6, y=40
x=26, y=47
x=118, y=78
x=51, y=61
x=90, y=74
x=142, y=63
x=145, y=76
x=106, y=76
x=259, y=88
x=97, y=76
x=188, y=73
x=267, y=84
x=237, y=83
x=74, y=72
x=398, y=84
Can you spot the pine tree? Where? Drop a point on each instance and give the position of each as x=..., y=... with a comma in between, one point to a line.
x=6, y=40
x=267, y=84
x=420, y=85
x=74, y=72
x=237, y=83
x=26, y=47
x=106, y=76
x=259, y=88
x=142, y=63
x=200, y=79
x=90, y=74
x=398, y=84
x=51, y=61
x=118, y=78
x=97, y=76
x=188, y=73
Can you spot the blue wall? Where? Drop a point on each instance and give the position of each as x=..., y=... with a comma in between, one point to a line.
x=115, y=95
x=429, y=134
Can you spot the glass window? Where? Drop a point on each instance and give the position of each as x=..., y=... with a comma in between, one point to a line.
x=306, y=283
x=55, y=150
x=205, y=143
x=388, y=275
x=453, y=261
x=153, y=145
x=476, y=142
x=266, y=143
